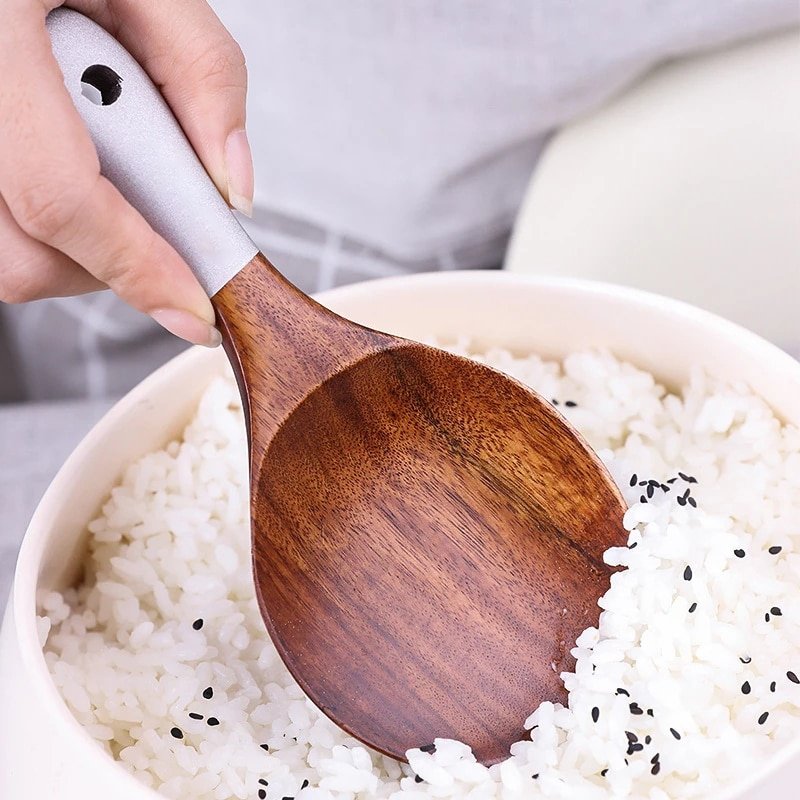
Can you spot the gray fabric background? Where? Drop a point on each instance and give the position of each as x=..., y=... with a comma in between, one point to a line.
x=35, y=439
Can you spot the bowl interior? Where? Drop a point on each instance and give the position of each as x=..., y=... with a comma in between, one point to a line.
x=522, y=313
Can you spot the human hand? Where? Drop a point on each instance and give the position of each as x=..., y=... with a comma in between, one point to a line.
x=64, y=228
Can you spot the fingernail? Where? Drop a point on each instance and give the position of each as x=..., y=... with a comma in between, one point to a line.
x=187, y=326
x=202, y=307
x=239, y=170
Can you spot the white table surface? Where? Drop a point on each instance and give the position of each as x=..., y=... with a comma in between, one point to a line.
x=35, y=439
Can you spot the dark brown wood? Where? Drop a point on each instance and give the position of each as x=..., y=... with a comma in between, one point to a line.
x=427, y=533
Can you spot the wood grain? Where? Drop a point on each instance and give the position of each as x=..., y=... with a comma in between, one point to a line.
x=427, y=533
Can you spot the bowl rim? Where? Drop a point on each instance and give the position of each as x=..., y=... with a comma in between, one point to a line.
x=25, y=584
x=22, y=598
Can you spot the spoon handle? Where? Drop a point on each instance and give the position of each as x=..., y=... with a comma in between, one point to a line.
x=144, y=152
x=282, y=344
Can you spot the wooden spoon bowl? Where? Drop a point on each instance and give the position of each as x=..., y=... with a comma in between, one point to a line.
x=427, y=533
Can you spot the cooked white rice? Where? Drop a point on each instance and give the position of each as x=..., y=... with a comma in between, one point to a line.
x=701, y=642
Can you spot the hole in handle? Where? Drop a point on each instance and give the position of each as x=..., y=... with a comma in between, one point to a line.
x=101, y=85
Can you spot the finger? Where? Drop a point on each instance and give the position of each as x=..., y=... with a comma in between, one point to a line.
x=201, y=71
x=50, y=180
x=30, y=270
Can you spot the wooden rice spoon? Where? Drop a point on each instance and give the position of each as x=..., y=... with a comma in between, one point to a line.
x=427, y=533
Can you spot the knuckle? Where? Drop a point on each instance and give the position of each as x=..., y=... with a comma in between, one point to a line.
x=40, y=212
x=125, y=264
x=9, y=292
x=16, y=289
x=223, y=64
x=120, y=273
x=43, y=211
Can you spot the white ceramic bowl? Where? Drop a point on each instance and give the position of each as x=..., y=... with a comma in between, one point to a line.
x=44, y=753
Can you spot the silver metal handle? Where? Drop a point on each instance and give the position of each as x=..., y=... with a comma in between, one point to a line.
x=144, y=152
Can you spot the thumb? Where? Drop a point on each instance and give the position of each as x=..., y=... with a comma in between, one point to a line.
x=200, y=70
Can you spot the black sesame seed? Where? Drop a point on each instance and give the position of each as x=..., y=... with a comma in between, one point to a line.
x=687, y=574
x=634, y=709
x=745, y=659
x=792, y=677
x=631, y=546
x=692, y=608
x=263, y=782
x=672, y=480
x=656, y=768
x=775, y=549
x=766, y=617
x=535, y=776
x=739, y=553
x=177, y=733
x=428, y=748
x=193, y=715
x=626, y=762
x=554, y=401
x=648, y=739
x=197, y=624
x=288, y=797
x=264, y=747
x=681, y=501
x=746, y=687
x=213, y=721
x=664, y=487
x=620, y=690
x=262, y=793
x=692, y=502
x=650, y=491
x=634, y=478
x=604, y=772
x=772, y=686
x=570, y=404
x=687, y=478
x=650, y=712
x=642, y=483
x=776, y=612
x=642, y=499
x=595, y=714
x=654, y=759
x=305, y=783
x=763, y=718
x=632, y=737
x=635, y=748
x=208, y=693
x=417, y=779
x=675, y=733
